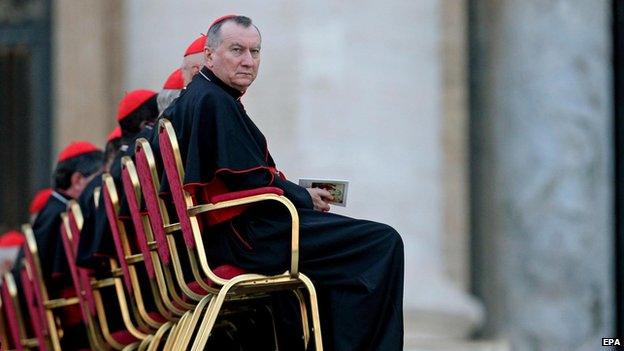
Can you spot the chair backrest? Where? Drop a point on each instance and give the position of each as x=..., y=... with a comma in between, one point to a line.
x=150, y=183
x=132, y=189
x=33, y=267
x=4, y=329
x=35, y=307
x=12, y=312
x=170, y=153
x=111, y=204
x=70, y=233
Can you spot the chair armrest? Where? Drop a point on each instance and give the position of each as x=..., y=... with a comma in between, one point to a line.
x=234, y=195
x=62, y=302
x=263, y=196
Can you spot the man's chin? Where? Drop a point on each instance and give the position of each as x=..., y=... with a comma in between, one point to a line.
x=242, y=84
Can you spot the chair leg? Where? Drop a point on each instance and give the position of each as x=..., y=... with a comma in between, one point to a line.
x=197, y=312
x=172, y=336
x=145, y=343
x=305, y=325
x=153, y=346
x=213, y=310
x=104, y=323
x=210, y=318
x=316, y=320
x=183, y=329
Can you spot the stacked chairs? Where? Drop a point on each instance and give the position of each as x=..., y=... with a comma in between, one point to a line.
x=90, y=291
x=244, y=285
x=169, y=297
x=43, y=308
x=19, y=335
x=151, y=322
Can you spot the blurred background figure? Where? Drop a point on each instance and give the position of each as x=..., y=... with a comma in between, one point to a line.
x=193, y=59
x=490, y=132
x=170, y=91
x=38, y=202
x=10, y=243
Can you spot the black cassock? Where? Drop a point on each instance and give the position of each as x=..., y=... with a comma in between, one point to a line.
x=54, y=267
x=46, y=228
x=96, y=240
x=356, y=265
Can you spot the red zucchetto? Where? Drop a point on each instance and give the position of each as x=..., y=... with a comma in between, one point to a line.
x=76, y=148
x=12, y=238
x=115, y=134
x=222, y=18
x=175, y=81
x=132, y=101
x=40, y=199
x=196, y=46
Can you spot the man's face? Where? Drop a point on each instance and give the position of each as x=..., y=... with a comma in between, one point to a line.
x=237, y=58
x=191, y=64
x=79, y=182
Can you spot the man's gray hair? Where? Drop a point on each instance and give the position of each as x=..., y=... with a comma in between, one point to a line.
x=214, y=32
x=165, y=97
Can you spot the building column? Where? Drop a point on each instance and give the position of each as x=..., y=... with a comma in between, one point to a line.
x=88, y=63
x=541, y=133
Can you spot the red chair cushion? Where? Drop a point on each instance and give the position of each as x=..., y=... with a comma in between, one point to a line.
x=150, y=195
x=225, y=271
x=70, y=315
x=157, y=317
x=123, y=337
x=175, y=185
x=246, y=193
x=139, y=230
x=112, y=221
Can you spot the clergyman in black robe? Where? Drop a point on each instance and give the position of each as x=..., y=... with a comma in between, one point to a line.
x=137, y=112
x=356, y=265
x=77, y=165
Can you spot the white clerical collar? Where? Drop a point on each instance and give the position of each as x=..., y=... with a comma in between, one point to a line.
x=60, y=197
x=205, y=76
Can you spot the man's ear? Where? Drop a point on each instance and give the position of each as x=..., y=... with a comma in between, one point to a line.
x=208, y=57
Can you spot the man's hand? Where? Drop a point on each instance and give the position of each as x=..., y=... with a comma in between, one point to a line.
x=320, y=197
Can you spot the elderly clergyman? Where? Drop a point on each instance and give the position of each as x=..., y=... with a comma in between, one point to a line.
x=356, y=265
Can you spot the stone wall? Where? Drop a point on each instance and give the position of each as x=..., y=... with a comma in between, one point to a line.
x=87, y=68
x=542, y=171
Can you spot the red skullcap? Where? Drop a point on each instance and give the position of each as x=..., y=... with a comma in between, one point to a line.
x=12, y=238
x=221, y=19
x=76, y=148
x=175, y=80
x=199, y=44
x=115, y=134
x=196, y=46
x=40, y=199
x=132, y=101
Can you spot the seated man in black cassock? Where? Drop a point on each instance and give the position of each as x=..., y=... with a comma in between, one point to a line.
x=137, y=112
x=77, y=165
x=356, y=265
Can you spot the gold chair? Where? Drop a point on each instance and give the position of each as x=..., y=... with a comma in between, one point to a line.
x=90, y=291
x=243, y=285
x=45, y=305
x=165, y=234
x=16, y=328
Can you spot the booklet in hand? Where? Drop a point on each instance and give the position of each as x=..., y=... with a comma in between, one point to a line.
x=338, y=188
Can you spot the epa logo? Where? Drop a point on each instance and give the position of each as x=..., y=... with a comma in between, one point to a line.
x=611, y=342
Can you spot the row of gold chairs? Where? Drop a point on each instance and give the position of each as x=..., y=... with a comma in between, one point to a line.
x=165, y=292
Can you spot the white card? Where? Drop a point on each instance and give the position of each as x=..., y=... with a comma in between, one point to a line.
x=338, y=188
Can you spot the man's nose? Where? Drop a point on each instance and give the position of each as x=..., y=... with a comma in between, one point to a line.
x=247, y=59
